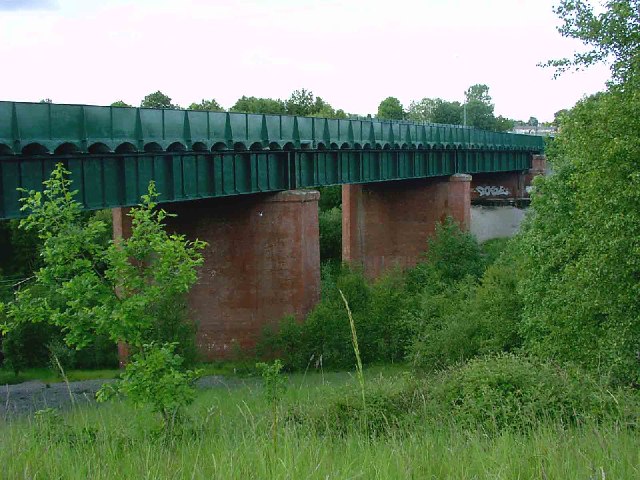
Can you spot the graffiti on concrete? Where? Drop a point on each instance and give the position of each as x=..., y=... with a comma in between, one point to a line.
x=492, y=191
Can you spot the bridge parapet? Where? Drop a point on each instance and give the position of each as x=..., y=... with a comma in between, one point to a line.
x=38, y=128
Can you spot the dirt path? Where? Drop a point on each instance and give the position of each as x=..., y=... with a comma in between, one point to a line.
x=28, y=397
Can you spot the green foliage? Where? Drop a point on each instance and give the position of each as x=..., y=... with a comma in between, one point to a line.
x=511, y=392
x=464, y=300
x=207, y=105
x=325, y=338
x=330, y=223
x=330, y=197
x=503, y=124
x=156, y=376
x=158, y=100
x=447, y=112
x=454, y=253
x=582, y=247
x=391, y=405
x=18, y=253
x=61, y=357
x=267, y=106
x=421, y=110
x=273, y=382
x=612, y=35
x=130, y=291
x=390, y=109
x=301, y=102
x=120, y=103
x=25, y=346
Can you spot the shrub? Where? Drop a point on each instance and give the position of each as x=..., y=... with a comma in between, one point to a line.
x=324, y=338
x=494, y=394
x=330, y=224
x=452, y=322
x=512, y=392
x=392, y=405
x=454, y=253
x=156, y=375
x=26, y=346
x=60, y=356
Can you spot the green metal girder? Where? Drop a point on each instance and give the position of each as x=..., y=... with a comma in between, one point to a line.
x=114, y=180
x=113, y=152
x=35, y=128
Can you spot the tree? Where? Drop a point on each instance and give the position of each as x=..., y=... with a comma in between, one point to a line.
x=532, y=122
x=390, y=109
x=130, y=291
x=478, y=93
x=558, y=116
x=46, y=100
x=502, y=124
x=158, y=100
x=207, y=105
x=613, y=36
x=581, y=248
x=478, y=106
x=422, y=110
x=120, y=103
x=447, y=112
x=267, y=106
x=301, y=102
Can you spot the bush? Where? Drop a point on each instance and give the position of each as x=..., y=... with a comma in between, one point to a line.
x=330, y=223
x=324, y=338
x=453, y=253
x=511, y=392
x=392, y=405
x=156, y=376
x=494, y=394
x=61, y=357
x=453, y=321
x=26, y=346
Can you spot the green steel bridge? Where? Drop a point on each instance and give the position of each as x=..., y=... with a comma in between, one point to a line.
x=113, y=152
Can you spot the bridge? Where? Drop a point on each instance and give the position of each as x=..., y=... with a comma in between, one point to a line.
x=242, y=183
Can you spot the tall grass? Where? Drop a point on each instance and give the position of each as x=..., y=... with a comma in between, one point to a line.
x=230, y=438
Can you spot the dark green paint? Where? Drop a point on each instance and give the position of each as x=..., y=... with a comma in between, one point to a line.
x=113, y=152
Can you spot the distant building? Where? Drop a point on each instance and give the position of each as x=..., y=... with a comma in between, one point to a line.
x=541, y=131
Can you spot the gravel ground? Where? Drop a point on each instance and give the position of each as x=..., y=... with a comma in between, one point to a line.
x=28, y=397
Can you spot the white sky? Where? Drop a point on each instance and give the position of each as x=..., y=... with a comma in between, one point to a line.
x=352, y=53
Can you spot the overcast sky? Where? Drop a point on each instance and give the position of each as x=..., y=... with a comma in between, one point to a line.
x=352, y=53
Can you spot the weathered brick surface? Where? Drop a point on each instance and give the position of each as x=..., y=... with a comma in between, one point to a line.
x=262, y=262
x=386, y=225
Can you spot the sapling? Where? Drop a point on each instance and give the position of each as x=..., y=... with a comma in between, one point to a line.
x=275, y=385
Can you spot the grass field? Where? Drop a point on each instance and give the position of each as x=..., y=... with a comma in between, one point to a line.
x=229, y=435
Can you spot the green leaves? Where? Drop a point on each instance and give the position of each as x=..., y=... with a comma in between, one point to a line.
x=581, y=248
x=155, y=376
x=613, y=36
x=131, y=290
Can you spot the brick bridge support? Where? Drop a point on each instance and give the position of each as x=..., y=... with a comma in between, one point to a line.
x=262, y=262
x=387, y=224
